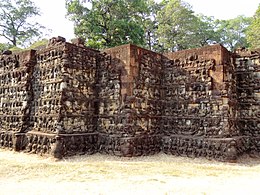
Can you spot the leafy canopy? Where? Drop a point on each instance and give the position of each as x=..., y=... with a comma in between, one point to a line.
x=175, y=25
x=170, y=25
x=107, y=23
x=4, y=46
x=253, y=32
x=15, y=23
x=232, y=33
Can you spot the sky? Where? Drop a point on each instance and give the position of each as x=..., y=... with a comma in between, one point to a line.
x=224, y=9
x=53, y=13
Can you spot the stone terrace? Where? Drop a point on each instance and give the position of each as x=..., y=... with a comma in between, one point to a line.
x=67, y=99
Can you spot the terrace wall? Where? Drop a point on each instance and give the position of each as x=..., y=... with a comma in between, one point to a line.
x=67, y=99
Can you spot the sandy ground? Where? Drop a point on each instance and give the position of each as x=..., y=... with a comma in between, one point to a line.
x=100, y=174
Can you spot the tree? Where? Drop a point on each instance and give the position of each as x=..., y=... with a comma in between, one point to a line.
x=150, y=25
x=205, y=31
x=252, y=34
x=176, y=24
x=167, y=26
x=14, y=21
x=108, y=23
x=232, y=32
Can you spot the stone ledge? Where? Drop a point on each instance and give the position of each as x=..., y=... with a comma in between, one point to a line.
x=12, y=140
x=223, y=149
x=62, y=144
x=129, y=146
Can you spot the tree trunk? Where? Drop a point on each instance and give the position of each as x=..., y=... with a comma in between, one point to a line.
x=14, y=42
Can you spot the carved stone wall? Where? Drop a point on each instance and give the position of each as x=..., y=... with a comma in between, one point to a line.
x=247, y=74
x=64, y=100
x=200, y=104
x=67, y=99
x=15, y=97
x=130, y=83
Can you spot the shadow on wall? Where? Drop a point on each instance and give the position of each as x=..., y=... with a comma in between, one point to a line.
x=67, y=99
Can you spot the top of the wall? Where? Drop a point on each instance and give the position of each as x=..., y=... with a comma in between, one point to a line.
x=217, y=52
x=57, y=42
x=128, y=47
x=25, y=57
x=243, y=52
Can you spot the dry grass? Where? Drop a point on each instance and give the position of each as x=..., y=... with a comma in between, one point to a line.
x=98, y=174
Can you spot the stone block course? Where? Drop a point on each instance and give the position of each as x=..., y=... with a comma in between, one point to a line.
x=67, y=99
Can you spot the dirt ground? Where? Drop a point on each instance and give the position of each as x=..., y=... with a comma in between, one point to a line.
x=100, y=174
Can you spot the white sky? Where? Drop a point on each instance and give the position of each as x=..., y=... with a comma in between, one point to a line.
x=53, y=13
x=224, y=9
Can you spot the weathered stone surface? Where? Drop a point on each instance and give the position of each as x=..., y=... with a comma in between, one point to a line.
x=247, y=74
x=15, y=97
x=67, y=99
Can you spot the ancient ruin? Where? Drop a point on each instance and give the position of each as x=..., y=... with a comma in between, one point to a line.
x=67, y=99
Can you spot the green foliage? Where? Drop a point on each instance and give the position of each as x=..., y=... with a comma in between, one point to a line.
x=232, y=32
x=36, y=45
x=205, y=31
x=179, y=28
x=14, y=21
x=15, y=49
x=176, y=24
x=39, y=44
x=107, y=23
x=167, y=26
x=150, y=25
x=253, y=32
x=4, y=46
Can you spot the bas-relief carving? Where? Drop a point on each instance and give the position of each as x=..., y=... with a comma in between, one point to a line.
x=67, y=99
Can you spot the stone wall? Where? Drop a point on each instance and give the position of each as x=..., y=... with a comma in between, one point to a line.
x=200, y=104
x=15, y=97
x=129, y=117
x=64, y=100
x=247, y=74
x=67, y=99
